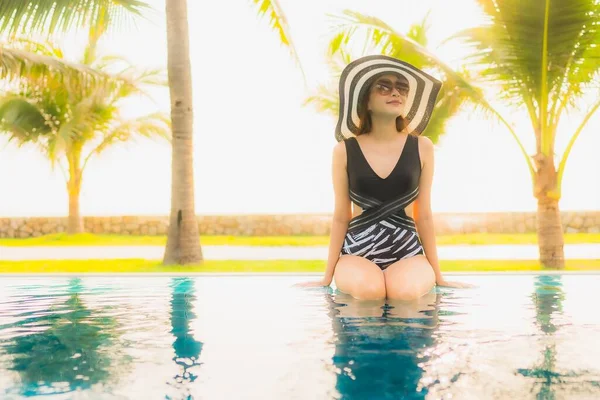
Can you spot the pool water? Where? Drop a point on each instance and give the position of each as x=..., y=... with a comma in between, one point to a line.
x=258, y=337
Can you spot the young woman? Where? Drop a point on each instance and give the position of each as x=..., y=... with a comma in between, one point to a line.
x=385, y=168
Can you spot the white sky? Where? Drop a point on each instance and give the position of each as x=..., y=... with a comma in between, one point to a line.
x=258, y=150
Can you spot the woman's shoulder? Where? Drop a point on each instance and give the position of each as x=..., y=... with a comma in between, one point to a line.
x=424, y=146
x=339, y=154
x=424, y=149
x=344, y=145
x=339, y=149
x=424, y=141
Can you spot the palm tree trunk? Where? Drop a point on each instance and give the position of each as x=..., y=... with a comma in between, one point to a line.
x=74, y=221
x=549, y=226
x=183, y=241
x=550, y=234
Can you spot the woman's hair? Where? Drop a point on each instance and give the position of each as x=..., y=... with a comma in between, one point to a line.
x=366, y=124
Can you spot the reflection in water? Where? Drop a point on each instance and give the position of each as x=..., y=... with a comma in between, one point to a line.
x=187, y=349
x=547, y=298
x=381, y=349
x=68, y=348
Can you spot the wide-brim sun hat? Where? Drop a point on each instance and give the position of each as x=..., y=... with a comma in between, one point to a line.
x=358, y=76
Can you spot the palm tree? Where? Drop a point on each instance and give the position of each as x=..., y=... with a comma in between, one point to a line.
x=382, y=38
x=71, y=123
x=183, y=239
x=541, y=55
x=29, y=68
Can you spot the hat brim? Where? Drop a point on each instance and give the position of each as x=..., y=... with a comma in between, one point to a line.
x=358, y=75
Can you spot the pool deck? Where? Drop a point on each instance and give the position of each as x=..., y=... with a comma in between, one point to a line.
x=458, y=252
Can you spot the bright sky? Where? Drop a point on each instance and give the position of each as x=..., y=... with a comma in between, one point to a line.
x=258, y=150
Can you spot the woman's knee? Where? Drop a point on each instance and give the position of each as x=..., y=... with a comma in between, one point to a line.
x=370, y=290
x=360, y=278
x=409, y=279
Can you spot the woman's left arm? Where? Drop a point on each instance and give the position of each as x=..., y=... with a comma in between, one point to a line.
x=422, y=206
x=423, y=215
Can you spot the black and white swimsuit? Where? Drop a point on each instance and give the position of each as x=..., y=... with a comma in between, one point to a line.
x=383, y=233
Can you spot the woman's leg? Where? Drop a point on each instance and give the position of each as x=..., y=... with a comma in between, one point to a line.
x=359, y=277
x=409, y=278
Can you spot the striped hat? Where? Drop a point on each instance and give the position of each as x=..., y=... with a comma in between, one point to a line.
x=358, y=76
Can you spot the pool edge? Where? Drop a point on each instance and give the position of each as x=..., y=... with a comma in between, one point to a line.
x=254, y=274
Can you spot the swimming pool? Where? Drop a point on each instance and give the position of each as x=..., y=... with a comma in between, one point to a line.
x=529, y=336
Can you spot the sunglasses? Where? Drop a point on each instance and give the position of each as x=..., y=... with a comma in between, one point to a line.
x=385, y=88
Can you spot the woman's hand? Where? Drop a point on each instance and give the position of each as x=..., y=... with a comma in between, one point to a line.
x=319, y=283
x=460, y=285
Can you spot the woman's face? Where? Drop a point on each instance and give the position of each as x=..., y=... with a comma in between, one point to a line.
x=388, y=96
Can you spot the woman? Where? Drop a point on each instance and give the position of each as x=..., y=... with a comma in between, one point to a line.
x=383, y=166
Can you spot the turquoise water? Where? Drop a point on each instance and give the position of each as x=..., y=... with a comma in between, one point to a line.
x=256, y=337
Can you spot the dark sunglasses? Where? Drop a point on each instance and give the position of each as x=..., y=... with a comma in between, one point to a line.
x=386, y=87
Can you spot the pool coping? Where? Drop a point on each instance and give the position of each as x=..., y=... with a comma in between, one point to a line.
x=272, y=274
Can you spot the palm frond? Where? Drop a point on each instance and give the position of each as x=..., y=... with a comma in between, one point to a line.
x=446, y=107
x=279, y=24
x=141, y=77
x=378, y=34
x=418, y=32
x=119, y=67
x=47, y=47
x=22, y=120
x=17, y=63
x=156, y=124
x=563, y=161
x=22, y=16
x=338, y=61
x=325, y=100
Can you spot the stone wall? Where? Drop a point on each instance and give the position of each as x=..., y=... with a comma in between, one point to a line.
x=271, y=225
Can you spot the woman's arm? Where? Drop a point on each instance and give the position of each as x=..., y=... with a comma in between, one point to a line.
x=342, y=212
x=341, y=215
x=424, y=216
x=422, y=206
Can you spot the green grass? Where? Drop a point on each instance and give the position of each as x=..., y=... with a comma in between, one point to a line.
x=220, y=266
x=87, y=239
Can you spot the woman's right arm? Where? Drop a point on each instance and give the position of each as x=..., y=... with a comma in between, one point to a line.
x=342, y=213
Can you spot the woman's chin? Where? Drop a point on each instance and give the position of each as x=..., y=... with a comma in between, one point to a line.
x=392, y=113
x=393, y=110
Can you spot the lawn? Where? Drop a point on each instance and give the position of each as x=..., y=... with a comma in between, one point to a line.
x=86, y=239
x=227, y=266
